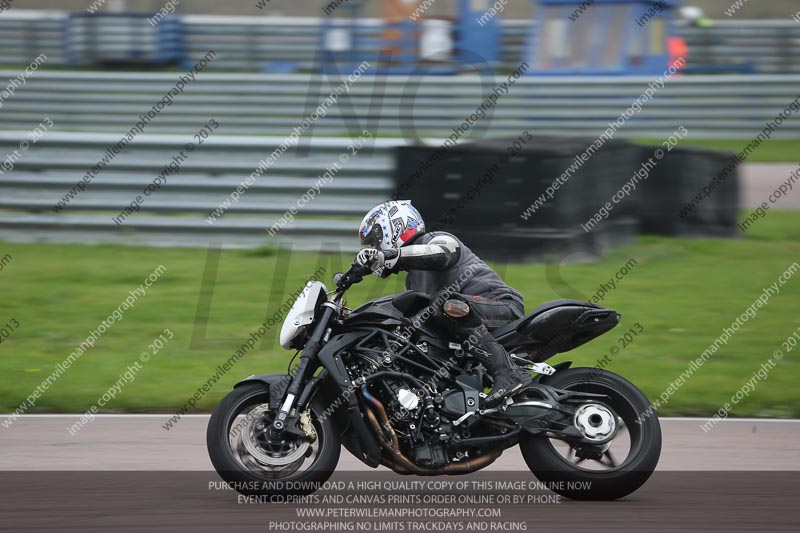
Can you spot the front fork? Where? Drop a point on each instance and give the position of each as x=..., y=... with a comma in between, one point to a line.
x=306, y=367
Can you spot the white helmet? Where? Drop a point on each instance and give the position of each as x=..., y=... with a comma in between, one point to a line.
x=390, y=225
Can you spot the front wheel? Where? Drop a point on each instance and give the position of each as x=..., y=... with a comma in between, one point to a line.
x=624, y=427
x=245, y=456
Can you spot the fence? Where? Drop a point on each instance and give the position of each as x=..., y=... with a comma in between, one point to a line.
x=761, y=46
x=176, y=214
x=725, y=106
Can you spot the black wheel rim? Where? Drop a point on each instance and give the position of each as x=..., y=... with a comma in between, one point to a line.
x=621, y=451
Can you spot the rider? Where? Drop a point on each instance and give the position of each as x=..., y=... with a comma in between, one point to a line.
x=441, y=265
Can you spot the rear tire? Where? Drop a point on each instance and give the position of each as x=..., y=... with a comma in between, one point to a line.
x=227, y=461
x=630, y=404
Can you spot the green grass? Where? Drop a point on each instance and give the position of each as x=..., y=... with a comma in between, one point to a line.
x=772, y=151
x=682, y=291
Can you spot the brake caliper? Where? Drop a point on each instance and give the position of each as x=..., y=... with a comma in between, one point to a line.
x=307, y=426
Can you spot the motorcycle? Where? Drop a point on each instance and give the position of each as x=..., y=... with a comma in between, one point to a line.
x=396, y=392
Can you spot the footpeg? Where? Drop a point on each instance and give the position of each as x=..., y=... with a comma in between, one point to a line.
x=542, y=368
x=539, y=368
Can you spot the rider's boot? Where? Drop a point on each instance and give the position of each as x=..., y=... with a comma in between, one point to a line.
x=509, y=378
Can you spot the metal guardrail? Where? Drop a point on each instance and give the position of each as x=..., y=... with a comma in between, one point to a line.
x=123, y=39
x=249, y=43
x=246, y=45
x=24, y=36
x=176, y=214
x=725, y=106
x=728, y=106
x=768, y=47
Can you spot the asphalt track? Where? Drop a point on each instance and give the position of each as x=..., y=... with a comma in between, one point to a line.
x=127, y=473
x=140, y=443
x=760, y=180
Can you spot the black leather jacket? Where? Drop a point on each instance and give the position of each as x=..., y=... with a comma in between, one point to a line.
x=438, y=261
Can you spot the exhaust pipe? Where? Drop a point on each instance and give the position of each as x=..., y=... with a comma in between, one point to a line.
x=402, y=464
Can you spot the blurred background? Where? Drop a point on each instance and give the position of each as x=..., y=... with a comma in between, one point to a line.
x=774, y=9
x=238, y=144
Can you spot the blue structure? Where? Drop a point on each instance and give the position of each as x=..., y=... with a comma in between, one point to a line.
x=478, y=32
x=601, y=37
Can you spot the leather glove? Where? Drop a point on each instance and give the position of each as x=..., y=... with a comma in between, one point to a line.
x=371, y=259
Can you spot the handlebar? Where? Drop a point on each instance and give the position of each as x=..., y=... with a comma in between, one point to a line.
x=354, y=275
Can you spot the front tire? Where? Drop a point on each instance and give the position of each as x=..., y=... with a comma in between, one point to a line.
x=618, y=479
x=247, y=466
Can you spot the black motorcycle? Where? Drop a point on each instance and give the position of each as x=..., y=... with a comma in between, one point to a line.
x=396, y=392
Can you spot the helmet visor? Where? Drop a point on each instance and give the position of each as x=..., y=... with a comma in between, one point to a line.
x=373, y=236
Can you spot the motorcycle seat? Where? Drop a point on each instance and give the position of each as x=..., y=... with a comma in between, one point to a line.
x=541, y=308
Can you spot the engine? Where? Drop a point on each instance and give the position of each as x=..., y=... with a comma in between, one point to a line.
x=429, y=422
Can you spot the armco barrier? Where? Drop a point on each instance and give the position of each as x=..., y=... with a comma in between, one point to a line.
x=177, y=214
x=725, y=106
x=487, y=215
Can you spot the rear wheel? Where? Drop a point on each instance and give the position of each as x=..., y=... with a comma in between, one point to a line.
x=626, y=439
x=243, y=453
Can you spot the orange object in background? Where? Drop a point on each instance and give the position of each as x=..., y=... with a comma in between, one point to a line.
x=677, y=48
x=399, y=12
